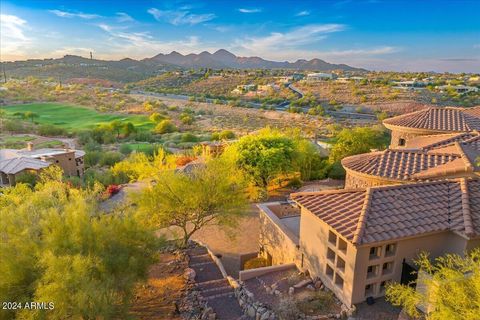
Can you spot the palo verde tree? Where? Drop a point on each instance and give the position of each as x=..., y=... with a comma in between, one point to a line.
x=451, y=288
x=56, y=246
x=263, y=156
x=209, y=193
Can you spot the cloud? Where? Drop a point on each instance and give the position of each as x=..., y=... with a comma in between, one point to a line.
x=180, y=17
x=251, y=10
x=297, y=37
x=142, y=44
x=303, y=13
x=12, y=36
x=458, y=59
x=124, y=17
x=66, y=14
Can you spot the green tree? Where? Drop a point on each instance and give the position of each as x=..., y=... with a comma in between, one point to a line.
x=116, y=126
x=213, y=193
x=357, y=140
x=451, y=288
x=263, y=156
x=156, y=117
x=165, y=126
x=56, y=246
x=128, y=128
x=31, y=115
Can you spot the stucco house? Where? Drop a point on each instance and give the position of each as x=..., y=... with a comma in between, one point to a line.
x=432, y=121
x=422, y=196
x=14, y=162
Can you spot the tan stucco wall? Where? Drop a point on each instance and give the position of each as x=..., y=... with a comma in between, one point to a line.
x=67, y=162
x=355, y=180
x=436, y=244
x=276, y=239
x=408, y=134
x=314, y=245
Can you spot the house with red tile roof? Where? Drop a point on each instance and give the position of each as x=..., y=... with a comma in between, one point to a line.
x=432, y=121
x=423, y=196
x=358, y=240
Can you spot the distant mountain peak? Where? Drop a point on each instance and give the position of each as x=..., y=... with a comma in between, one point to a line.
x=224, y=59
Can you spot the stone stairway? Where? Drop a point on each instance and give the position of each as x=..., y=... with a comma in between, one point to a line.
x=214, y=288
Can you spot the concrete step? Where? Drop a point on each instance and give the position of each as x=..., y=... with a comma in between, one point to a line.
x=225, y=292
x=226, y=307
x=200, y=258
x=213, y=284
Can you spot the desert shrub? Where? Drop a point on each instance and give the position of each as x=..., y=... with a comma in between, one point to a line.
x=125, y=149
x=257, y=262
x=111, y=190
x=189, y=137
x=14, y=126
x=287, y=309
x=181, y=161
x=49, y=130
x=110, y=158
x=165, y=126
x=27, y=178
x=92, y=158
x=186, y=118
x=318, y=302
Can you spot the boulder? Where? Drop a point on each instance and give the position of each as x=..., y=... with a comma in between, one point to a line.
x=291, y=291
x=302, y=283
x=189, y=274
x=310, y=287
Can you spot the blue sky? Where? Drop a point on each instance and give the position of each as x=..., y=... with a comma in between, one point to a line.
x=380, y=35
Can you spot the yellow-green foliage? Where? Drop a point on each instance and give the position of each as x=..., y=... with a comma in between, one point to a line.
x=452, y=288
x=55, y=246
x=139, y=166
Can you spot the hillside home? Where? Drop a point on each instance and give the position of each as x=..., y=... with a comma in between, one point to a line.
x=320, y=76
x=14, y=162
x=397, y=203
x=432, y=121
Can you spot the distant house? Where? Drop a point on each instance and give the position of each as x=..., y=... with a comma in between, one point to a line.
x=298, y=76
x=244, y=88
x=458, y=89
x=14, y=162
x=320, y=76
x=410, y=85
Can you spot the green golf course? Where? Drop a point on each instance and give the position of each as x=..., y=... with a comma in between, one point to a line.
x=75, y=118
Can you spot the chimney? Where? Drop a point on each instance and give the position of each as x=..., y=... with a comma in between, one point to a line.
x=29, y=146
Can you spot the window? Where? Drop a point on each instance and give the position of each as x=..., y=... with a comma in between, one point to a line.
x=330, y=255
x=369, y=289
x=390, y=249
x=332, y=238
x=375, y=252
x=340, y=264
x=383, y=286
x=329, y=272
x=372, y=271
x=401, y=142
x=387, y=267
x=338, y=281
x=342, y=245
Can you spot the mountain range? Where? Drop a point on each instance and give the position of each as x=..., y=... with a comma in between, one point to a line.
x=131, y=70
x=225, y=59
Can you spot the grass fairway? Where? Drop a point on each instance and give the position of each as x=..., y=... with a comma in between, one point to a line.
x=75, y=118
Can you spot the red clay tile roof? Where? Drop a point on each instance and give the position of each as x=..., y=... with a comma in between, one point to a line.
x=392, y=212
x=439, y=119
x=397, y=164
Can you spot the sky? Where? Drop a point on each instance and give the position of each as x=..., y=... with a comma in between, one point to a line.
x=421, y=35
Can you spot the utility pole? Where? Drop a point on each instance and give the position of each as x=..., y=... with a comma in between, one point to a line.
x=4, y=73
x=91, y=55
